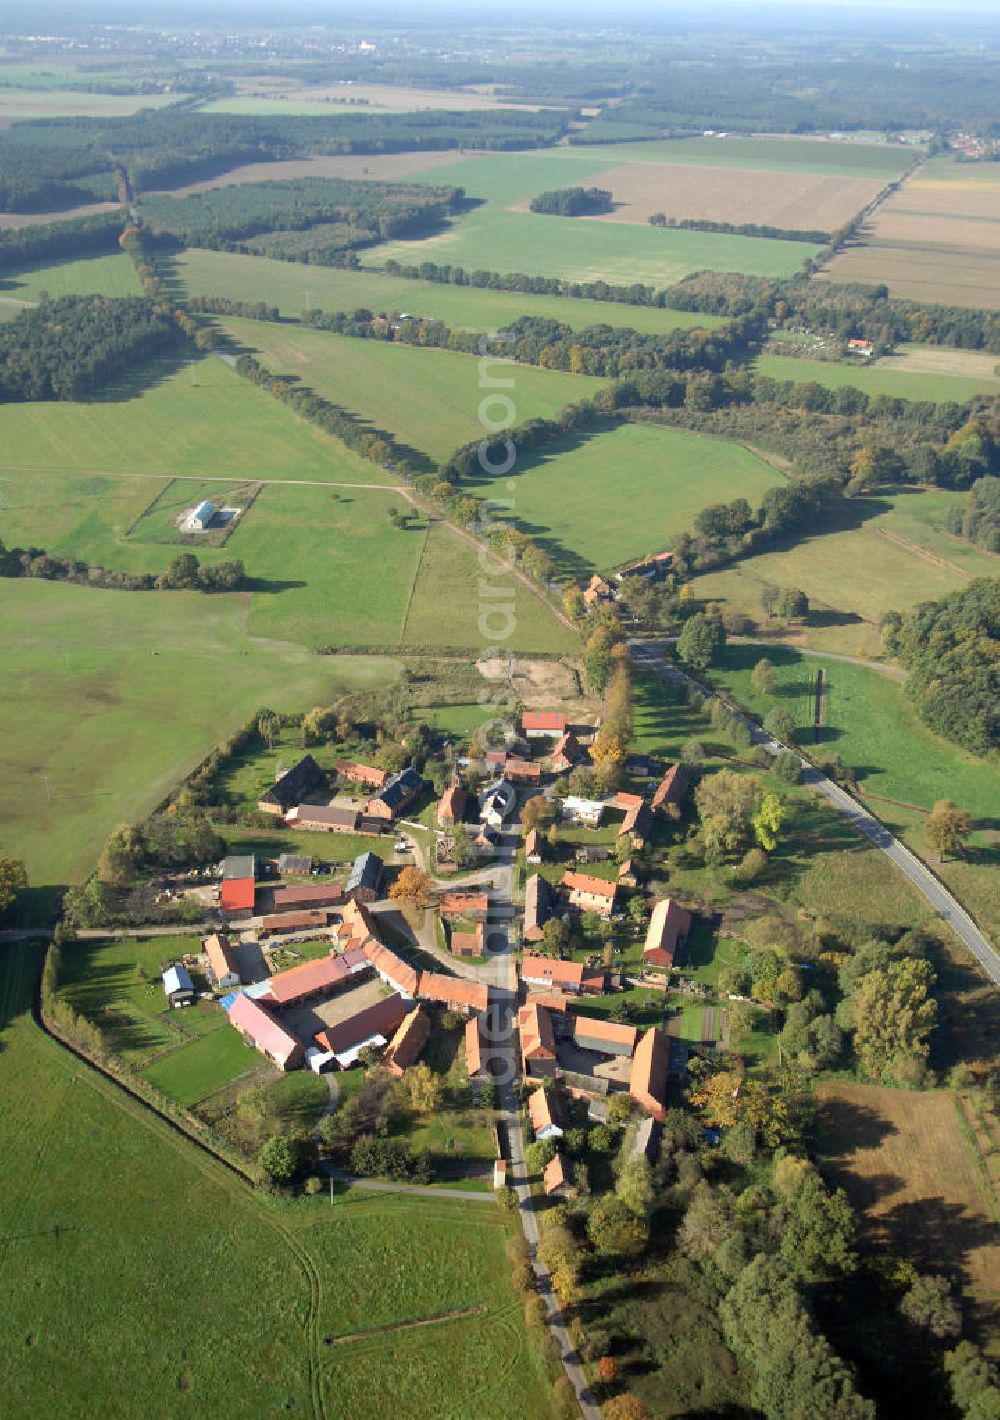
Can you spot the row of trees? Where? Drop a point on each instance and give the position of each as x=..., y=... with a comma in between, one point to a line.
x=740, y=229
x=185, y=573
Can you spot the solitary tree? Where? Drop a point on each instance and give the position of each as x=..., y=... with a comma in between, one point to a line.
x=413, y=885
x=13, y=880
x=948, y=828
x=701, y=640
x=762, y=677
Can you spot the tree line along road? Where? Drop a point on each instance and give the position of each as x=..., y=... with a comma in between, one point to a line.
x=650, y=657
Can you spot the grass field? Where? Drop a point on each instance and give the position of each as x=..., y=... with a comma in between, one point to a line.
x=888, y=551
x=429, y=399
x=903, y=1161
x=887, y=376
x=496, y=237
x=18, y=104
x=446, y=607
x=197, y=419
x=343, y=571
x=903, y=769
x=662, y=478
x=294, y=289
x=118, y=694
x=935, y=240
x=90, y=1176
x=92, y=276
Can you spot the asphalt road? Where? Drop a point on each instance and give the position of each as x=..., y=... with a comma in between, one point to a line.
x=650, y=656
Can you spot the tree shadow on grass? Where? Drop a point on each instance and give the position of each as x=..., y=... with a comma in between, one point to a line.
x=144, y=376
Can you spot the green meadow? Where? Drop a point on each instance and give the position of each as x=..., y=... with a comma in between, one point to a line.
x=113, y=696
x=492, y=237
x=629, y=491
x=883, y=552
x=196, y=419
x=429, y=399
x=91, y=276
x=310, y=1336
x=879, y=378
x=295, y=289
x=447, y=611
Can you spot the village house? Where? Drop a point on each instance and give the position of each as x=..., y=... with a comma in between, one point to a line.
x=523, y=771
x=669, y=926
x=405, y=1046
x=628, y=876
x=864, y=348
x=374, y=1026
x=532, y=847
x=324, y=818
x=547, y=971
x=397, y=796
x=294, y=863
x=568, y=751
x=464, y=904
x=474, y=1048
x=670, y=792
x=543, y=724
x=539, y=906
x=365, y=878
x=451, y=806
x=178, y=986
x=305, y=895
x=453, y=992
x=638, y=821
x=648, y=1080
x=585, y=812
x=545, y=1111
x=239, y=885
x=597, y=591
x=538, y=1044
x=314, y=921
x=556, y=1179
x=311, y=979
x=260, y=1030
x=602, y=1036
x=469, y=944
x=291, y=787
x=365, y=774
x=222, y=967
x=649, y=568
x=391, y=969
x=590, y=894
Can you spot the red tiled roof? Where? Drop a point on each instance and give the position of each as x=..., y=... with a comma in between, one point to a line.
x=306, y=895
x=648, y=1081
x=544, y=1110
x=455, y=904
x=386, y=962
x=220, y=955
x=595, y=1028
x=553, y=973
x=668, y=922
x=469, y=944
x=555, y=1175
x=534, y=1026
x=305, y=980
x=671, y=787
x=552, y=720
x=382, y=1018
x=473, y=1047
x=626, y=801
x=409, y=1040
x=237, y=894
x=294, y=921
x=446, y=989
x=451, y=805
x=584, y=882
x=264, y=1030
x=361, y=773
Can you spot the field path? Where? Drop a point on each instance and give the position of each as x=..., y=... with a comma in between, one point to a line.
x=882, y=667
x=650, y=656
x=200, y=478
x=918, y=551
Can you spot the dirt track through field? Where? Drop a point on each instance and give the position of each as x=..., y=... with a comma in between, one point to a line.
x=391, y=1328
x=918, y=551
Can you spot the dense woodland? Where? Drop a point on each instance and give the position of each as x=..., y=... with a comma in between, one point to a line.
x=951, y=649
x=573, y=202
x=51, y=241
x=67, y=348
x=165, y=148
x=351, y=213
x=979, y=519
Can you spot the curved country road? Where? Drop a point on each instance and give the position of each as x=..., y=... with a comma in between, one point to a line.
x=649, y=656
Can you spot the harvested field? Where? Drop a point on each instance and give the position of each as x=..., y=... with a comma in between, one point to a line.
x=11, y=221
x=904, y=1163
x=282, y=96
x=935, y=240
x=939, y=360
x=387, y=167
x=793, y=201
